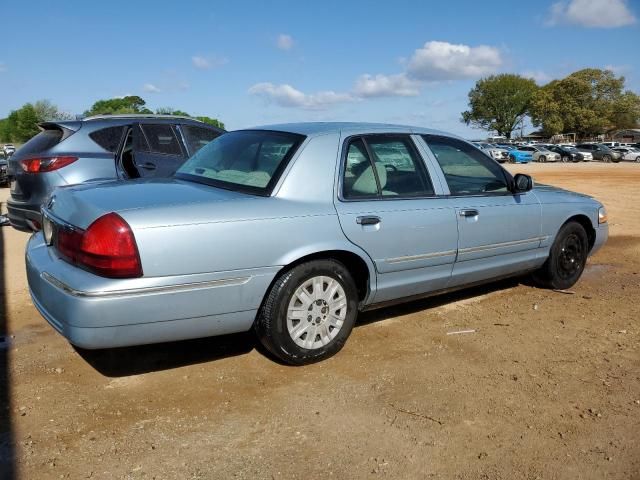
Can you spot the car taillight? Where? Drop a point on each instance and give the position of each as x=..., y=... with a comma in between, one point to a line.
x=45, y=164
x=107, y=248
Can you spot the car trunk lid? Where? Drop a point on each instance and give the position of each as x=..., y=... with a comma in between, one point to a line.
x=80, y=205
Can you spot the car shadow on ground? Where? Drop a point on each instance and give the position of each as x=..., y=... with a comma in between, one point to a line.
x=436, y=301
x=120, y=362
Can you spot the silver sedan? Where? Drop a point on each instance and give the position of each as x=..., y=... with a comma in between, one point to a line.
x=291, y=230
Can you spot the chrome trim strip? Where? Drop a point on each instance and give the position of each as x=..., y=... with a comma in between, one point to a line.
x=145, y=290
x=425, y=256
x=500, y=245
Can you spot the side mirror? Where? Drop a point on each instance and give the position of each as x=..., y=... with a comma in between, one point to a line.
x=522, y=183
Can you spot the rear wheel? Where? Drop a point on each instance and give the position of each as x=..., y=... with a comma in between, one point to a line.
x=512, y=159
x=309, y=312
x=567, y=258
x=542, y=158
x=565, y=158
x=638, y=159
x=606, y=158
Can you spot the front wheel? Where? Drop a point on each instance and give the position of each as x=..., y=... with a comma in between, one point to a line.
x=567, y=258
x=542, y=158
x=309, y=312
x=512, y=159
x=565, y=159
x=606, y=158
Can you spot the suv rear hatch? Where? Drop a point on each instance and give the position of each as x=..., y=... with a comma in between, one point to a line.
x=51, y=134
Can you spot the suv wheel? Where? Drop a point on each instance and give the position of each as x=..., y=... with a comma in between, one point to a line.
x=606, y=158
x=309, y=312
x=567, y=258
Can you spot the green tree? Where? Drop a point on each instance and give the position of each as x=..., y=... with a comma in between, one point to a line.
x=211, y=121
x=26, y=123
x=499, y=102
x=587, y=102
x=129, y=104
x=171, y=111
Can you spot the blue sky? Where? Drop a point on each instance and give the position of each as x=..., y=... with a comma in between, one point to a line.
x=251, y=63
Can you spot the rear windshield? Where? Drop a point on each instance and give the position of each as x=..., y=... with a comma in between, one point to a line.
x=247, y=160
x=42, y=142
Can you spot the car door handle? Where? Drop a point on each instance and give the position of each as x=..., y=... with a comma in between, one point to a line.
x=468, y=212
x=368, y=220
x=149, y=166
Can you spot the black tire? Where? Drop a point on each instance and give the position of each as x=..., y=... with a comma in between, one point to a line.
x=567, y=258
x=638, y=159
x=512, y=159
x=271, y=324
x=565, y=159
x=542, y=159
x=606, y=158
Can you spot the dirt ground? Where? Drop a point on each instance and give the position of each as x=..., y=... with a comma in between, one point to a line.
x=547, y=387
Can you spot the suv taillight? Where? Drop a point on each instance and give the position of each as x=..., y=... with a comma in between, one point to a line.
x=45, y=164
x=107, y=248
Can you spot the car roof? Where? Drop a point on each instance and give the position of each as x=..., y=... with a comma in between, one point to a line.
x=142, y=118
x=323, y=128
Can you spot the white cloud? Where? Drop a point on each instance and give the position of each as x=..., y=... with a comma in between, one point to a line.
x=437, y=61
x=207, y=63
x=386, y=86
x=538, y=75
x=284, y=42
x=287, y=96
x=619, y=69
x=150, y=88
x=591, y=13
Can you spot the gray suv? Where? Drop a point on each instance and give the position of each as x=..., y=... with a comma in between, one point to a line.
x=600, y=152
x=105, y=147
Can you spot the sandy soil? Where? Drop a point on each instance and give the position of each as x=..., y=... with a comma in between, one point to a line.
x=547, y=387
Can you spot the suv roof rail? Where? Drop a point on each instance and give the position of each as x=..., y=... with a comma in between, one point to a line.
x=138, y=115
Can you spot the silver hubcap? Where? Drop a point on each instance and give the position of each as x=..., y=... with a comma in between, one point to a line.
x=316, y=312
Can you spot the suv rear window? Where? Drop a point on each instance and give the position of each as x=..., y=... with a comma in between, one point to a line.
x=43, y=141
x=198, y=137
x=108, y=138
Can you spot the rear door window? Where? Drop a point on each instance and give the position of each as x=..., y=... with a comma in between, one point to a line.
x=162, y=139
x=197, y=137
x=108, y=138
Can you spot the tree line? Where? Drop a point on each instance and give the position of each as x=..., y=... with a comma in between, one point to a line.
x=22, y=124
x=588, y=102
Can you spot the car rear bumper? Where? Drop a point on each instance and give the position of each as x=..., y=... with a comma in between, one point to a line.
x=100, y=316
x=21, y=215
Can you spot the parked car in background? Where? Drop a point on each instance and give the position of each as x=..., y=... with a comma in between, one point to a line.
x=571, y=154
x=8, y=149
x=291, y=230
x=631, y=154
x=4, y=177
x=98, y=148
x=521, y=154
x=499, y=154
x=542, y=154
x=600, y=152
x=610, y=144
